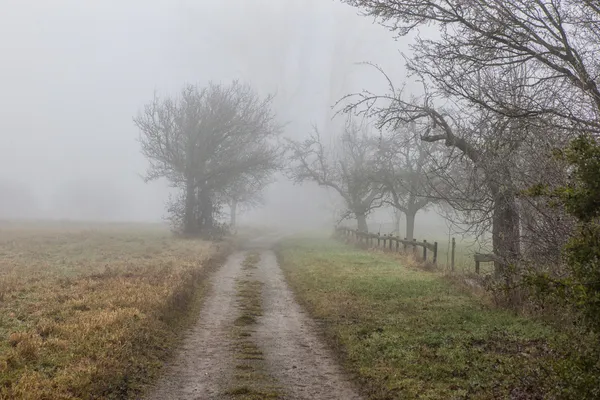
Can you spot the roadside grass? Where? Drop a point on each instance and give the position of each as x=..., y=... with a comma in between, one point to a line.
x=92, y=312
x=407, y=333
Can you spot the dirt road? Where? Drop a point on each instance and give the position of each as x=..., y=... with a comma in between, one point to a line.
x=252, y=340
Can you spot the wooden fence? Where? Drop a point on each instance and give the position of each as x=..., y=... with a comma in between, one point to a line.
x=394, y=243
x=479, y=258
x=390, y=242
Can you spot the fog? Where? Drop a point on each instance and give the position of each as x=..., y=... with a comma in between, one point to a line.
x=73, y=74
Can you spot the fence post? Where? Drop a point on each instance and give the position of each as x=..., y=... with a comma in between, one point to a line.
x=414, y=245
x=453, y=252
x=404, y=245
x=435, y=249
x=397, y=243
x=477, y=266
x=425, y=250
x=378, y=239
x=391, y=237
x=384, y=241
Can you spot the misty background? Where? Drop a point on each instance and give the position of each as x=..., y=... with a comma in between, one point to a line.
x=73, y=74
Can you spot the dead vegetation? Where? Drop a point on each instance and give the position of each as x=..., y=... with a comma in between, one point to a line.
x=92, y=313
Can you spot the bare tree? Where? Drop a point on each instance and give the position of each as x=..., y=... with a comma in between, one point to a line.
x=245, y=193
x=488, y=169
x=405, y=169
x=484, y=41
x=205, y=140
x=349, y=170
x=500, y=73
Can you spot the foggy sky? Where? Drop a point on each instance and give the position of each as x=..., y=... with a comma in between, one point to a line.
x=74, y=73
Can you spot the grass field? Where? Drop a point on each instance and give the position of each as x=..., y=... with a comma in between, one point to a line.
x=90, y=312
x=406, y=333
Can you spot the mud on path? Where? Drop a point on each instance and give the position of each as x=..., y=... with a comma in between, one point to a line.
x=295, y=359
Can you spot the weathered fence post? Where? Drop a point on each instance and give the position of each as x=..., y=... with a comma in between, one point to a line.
x=414, y=245
x=476, y=266
x=424, y=250
x=397, y=243
x=378, y=239
x=435, y=249
x=404, y=245
x=453, y=252
x=391, y=237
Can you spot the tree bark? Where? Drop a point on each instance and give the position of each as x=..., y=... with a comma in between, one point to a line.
x=410, y=224
x=505, y=232
x=362, y=222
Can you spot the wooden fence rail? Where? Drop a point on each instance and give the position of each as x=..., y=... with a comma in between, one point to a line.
x=479, y=258
x=390, y=242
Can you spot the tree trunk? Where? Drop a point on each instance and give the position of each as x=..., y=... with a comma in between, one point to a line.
x=233, y=211
x=189, y=220
x=410, y=224
x=505, y=233
x=206, y=221
x=362, y=222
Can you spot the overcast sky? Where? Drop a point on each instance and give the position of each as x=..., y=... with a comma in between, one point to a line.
x=73, y=74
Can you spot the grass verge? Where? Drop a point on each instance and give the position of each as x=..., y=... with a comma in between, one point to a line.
x=406, y=333
x=251, y=381
x=93, y=313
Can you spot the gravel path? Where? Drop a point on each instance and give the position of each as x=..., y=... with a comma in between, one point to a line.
x=299, y=362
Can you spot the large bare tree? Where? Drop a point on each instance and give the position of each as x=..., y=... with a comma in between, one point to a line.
x=500, y=75
x=206, y=140
x=485, y=193
x=348, y=169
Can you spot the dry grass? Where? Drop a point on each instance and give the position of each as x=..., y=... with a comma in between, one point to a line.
x=90, y=313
